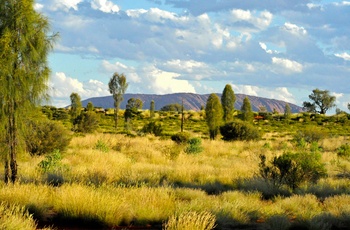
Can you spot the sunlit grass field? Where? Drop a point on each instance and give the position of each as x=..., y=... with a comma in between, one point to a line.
x=107, y=180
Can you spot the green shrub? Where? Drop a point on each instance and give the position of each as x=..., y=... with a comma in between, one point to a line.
x=89, y=122
x=101, y=146
x=310, y=134
x=292, y=169
x=194, y=145
x=181, y=137
x=46, y=136
x=52, y=162
x=153, y=128
x=343, y=151
x=239, y=130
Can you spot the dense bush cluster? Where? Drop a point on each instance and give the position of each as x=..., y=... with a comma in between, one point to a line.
x=153, y=128
x=46, y=136
x=181, y=137
x=239, y=130
x=292, y=169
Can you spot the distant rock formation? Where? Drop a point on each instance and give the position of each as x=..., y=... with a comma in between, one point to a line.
x=191, y=101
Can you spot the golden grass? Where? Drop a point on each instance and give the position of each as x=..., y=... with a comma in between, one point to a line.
x=139, y=180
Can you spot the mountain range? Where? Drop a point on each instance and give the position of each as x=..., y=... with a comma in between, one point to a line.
x=191, y=101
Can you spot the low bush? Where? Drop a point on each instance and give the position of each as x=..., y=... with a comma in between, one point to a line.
x=309, y=135
x=239, y=130
x=181, y=137
x=46, y=136
x=153, y=128
x=343, y=151
x=194, y=146
x=292, y=169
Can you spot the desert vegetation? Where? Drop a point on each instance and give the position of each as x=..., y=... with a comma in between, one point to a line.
x=294, y=174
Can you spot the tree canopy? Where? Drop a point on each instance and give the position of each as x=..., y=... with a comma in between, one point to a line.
x=24, y=72
x=213, y=113
x=228, y=100
x=321, y=101
x=117, y=87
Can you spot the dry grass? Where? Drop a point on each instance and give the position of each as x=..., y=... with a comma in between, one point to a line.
x=146, y=180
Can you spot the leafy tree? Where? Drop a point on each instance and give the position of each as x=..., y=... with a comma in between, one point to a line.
x=247, y=113
x=172, y=107
x=213, y=112
x=117, y=87
x=132, y=109
x=89, y=122
x=228, y=100
x=321, y=101
x=287, y=112
x=152, y=108
x=24, y=72
x=75, y=109
x=90, y=106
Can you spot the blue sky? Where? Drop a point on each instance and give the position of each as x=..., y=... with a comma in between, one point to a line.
x=276, y=49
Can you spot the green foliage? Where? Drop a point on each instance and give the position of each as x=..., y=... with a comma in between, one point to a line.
x=309, y=135
x=152, y=109
x=172, y=107
x=287, y=112
x=44, y=136
x=101, y=146
x=321, y=101
x=153, y=128
x=52, y=162
x=194, y=146
x=24, y=73
x=213, y=113
x=228, y=100
x=292, y=169
x=181, y=137
x=344, y=151
x=117, y=86
x=89, y=122
x=239, y=130
x=75, y=109
x=246, y=109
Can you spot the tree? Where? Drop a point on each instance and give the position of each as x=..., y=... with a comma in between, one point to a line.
x=117, y=87
x=321, y=101
x=132, y=109
x=213, y=112
x=247, y=113
x=287, y=112
x=228, y=100
x=75, y=109
x=172, y=107
x=152, y=108
x=24, y=73
x=90, y=107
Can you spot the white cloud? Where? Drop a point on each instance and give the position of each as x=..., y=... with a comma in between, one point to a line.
x=105, y=6
x=279, y=93
x=38, y=6
x=344, y=56
x=287, y=66
x=65, y=5
x=62, y=86
x=260, y=20
x=294, y=29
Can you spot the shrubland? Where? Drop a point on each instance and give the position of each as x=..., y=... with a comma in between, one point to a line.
x=295, y=176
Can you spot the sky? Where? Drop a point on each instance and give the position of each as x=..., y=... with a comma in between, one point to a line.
x=275, y=49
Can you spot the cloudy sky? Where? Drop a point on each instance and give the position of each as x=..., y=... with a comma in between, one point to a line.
x=279, y=49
